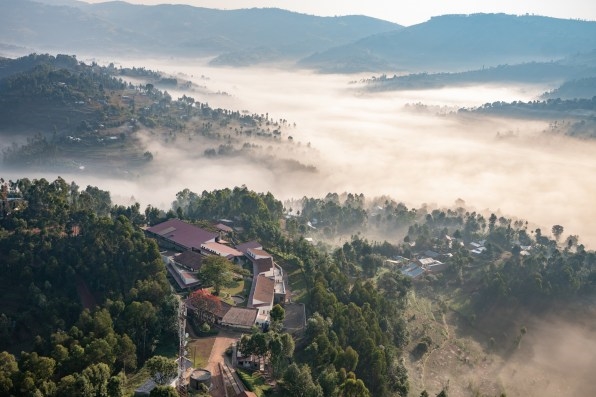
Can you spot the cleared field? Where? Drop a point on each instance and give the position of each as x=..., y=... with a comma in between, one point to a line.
x=199, y=351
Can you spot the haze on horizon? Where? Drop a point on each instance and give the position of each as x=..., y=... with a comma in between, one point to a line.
x=399, y=12
x=369, y=143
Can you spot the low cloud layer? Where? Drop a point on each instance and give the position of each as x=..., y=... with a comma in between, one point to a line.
x=369, y=143
x=557, y=358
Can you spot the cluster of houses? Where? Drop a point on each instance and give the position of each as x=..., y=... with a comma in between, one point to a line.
x=424, y=263
x=430, y=262
x=185, y=246
x=10, y=204
x=477, y=247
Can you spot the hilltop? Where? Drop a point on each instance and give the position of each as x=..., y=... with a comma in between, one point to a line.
x=245, y=36
x=461, y=42
x=64, y=114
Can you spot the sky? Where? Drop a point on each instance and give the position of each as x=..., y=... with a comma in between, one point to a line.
x=403, y=12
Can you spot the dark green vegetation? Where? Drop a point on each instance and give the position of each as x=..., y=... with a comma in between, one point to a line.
x=237, y=37
x=64, y=249
x=573, y=117
x=84, y=293
x=64, y=114
x=525, y=73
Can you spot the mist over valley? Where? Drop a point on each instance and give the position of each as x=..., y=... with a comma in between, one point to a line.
x=376, y=144
x=415, y=201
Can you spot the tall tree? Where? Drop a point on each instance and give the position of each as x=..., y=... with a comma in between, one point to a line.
x=8, y=368
x=277, y=313
x=557, y=231
x=297, y=382
x=162, y=369
x=217, y=271
x=353, y=387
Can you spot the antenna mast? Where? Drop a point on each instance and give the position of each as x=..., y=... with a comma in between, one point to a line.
x=182, y=335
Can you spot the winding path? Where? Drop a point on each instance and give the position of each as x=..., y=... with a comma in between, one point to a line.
x=427, y=356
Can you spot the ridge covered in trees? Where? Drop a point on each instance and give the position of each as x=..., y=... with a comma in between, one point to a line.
x=85, y=296
x=89, y=115
x=86, y=301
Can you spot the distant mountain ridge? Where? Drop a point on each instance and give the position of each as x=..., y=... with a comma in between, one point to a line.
x=524, y=73
x=461, y=42
x=120, y=27
x=448, y=43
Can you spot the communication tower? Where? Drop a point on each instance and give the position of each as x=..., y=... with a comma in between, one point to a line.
x=183, y=337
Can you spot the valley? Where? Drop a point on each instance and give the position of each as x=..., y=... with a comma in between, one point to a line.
x=304, y=205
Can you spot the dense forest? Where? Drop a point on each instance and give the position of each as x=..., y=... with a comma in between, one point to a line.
x=86, y=300
x=577, y=88
x=84, y=293
x=525, y=73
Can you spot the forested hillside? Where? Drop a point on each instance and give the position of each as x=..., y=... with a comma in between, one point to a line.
x=526, y=73
x=353, y=326
x=461, y=42
x=236, y=37
x=574, y=117
x=85, y=298
x=84, y=293
x=67, y=115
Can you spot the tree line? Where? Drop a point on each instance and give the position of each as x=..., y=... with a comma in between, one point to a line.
x=85, y=295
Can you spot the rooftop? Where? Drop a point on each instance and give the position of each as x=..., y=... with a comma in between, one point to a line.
x=249, y=244
x=262, y=265
x=224, y=228
x=182, y=233
x=263, y=292
x=412, y=271
x=426, y=261
x=240, y=316
x=255, y=253
x=221, y=250
x=190, y=259
x=183, y=278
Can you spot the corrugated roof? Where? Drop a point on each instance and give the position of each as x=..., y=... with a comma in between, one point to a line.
x=413, y=272
x=182, y=233
x=426, y=261
x=221, y=250
x=240, y=316
x=258, y=252
x=191, y=259
x=264, y=290
x=262, y=265
x=249, y=244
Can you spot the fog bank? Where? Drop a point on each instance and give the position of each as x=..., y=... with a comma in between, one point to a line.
x=371, y=144
x=557, y=357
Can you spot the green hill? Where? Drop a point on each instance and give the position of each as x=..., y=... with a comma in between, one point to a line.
x=121, y=28
x=461, y=42
x=61, y=113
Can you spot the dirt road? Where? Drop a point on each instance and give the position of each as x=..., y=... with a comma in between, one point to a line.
x=222, y=342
